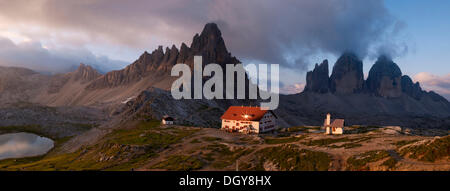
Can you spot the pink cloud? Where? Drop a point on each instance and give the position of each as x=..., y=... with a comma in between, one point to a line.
x=293, y=89
x=431, y=82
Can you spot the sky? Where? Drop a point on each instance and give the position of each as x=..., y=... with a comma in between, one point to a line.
x=54, y=36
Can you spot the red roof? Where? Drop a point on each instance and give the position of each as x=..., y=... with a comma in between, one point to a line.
x=244, y=113
x=338, y=123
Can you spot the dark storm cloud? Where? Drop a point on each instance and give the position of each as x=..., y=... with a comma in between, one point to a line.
x=34, y=56
x=284, y=32
x=291, y=31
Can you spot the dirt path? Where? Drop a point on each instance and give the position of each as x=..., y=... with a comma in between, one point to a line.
x=417, y=164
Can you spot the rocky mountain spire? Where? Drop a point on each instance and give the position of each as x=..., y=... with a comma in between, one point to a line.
x=318, y=79
x=184, y=53
x=169, y=60
x=347, y=76
x=210, y=39
x=385, y=78
x=209, y=44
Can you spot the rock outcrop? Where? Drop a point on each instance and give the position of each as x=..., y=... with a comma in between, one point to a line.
x=155, y=63
x=318, y=80
x=412, y=89
x=85, y=73
x=347, y=76
x=385, y=78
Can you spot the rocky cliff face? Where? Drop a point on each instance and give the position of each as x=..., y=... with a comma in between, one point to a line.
x=385, y=98
x=385, y=78
x=347, y=76
x=412, y=89
x=154, y=63
x=209, y=44
x=318, y=80
x=85, y=73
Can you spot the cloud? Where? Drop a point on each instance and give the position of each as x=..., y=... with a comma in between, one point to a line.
x=33, y=55
x=285, y=33
x=292, y=89
x=439, y=84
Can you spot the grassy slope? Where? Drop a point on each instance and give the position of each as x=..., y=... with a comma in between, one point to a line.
x=123, y=149
x=291, y=158
x=429, y=151
x=147, y=145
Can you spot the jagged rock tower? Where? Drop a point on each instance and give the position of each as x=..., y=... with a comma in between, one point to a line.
x=347, y=76
x=385, y=78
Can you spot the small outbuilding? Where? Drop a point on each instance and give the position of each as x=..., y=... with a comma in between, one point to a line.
x=335, y=128
x=167, y=120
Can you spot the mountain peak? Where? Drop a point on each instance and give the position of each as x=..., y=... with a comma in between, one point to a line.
x=318, y=79
x=384, y=58
x=385, y=78
x=387, y=67
x=209, y=38
x=83, y=67
x=211, y=29
x=211, y=46
x=349, y=55
x=347, y=76
x=85, y=73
